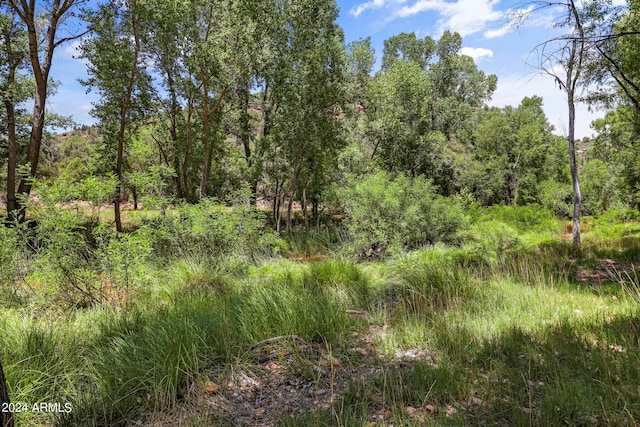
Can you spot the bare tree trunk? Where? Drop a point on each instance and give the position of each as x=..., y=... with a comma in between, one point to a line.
x=289, y=211
x=124, y=112
x=577, y=196
x=574, y=68
x=275, y=202
x=187, y=153
x=279, y=212
x=304, y=210
x=6, y=418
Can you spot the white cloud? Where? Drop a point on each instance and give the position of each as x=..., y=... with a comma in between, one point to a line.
x=372, y=4
x=492, y=34
x=462, y=16
x=70, y=50
x=511, y=89
x=477, y=53
x=418, y=7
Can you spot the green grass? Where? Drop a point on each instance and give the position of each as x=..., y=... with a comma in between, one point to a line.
x=512, y=337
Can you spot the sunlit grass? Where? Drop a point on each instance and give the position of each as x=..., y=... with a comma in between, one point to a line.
x=512, y=336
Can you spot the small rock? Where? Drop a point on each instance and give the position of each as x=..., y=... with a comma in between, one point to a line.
x=475, y=401
x=411, y=411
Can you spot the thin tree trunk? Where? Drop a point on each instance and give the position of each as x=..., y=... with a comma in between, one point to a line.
x=206, y=167
x=577, y=196
x=173, y=130
x=6, y=418
x=124, y=111
x=289, y=211
x=275, y=202
x=187, y=153
x=304, y=210
x=573, y=75
x=245, y=136
x=208, y=157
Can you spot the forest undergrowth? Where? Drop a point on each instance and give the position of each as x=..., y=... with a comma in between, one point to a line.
x=204, y=317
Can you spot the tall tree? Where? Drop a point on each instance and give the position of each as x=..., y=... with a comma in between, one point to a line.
x=420, y=99
x=115, y=69
x=306, y=130
x=41, y=23
x=571, y=52
x=13, y=55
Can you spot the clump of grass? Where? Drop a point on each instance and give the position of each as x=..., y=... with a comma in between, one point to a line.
x=428, y=283
x=530, y=218
x=348, y=283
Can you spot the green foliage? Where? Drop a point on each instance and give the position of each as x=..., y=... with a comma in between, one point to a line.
x=513, y=152
x=428, y=283
x=386, y=212
x=557, y=197
x=344, y=279
x=619, y=215
x=122, y=255
x=15, y=264
x=523, y=218
x=212, y=229
x=597, y=184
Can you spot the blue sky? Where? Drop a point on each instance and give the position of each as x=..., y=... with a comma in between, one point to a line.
x=496, y=46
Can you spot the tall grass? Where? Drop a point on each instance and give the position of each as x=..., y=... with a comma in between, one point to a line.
x=512, y=337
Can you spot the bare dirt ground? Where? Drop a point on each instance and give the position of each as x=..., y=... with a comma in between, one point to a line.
x=289, y=377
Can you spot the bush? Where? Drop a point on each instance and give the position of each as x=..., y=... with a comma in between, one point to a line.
x=618, y=215
x=557, y=198
x=522, y=218
x=386, y=212
x=212, y=229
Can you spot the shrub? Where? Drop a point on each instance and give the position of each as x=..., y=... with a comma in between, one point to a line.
x=384, y=211
x=618, y=215
x=522, y=218
x=557, y=197
x=212, y=229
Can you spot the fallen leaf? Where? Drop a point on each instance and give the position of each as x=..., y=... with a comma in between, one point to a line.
x=211, y=387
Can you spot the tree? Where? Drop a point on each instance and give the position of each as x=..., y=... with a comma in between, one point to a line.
x=115, y=69
x=571, y=53
x=13, y=51
x=423, y=96
x=41, y=25
x=511, y=153
x=408, y=47
x=303, y=77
